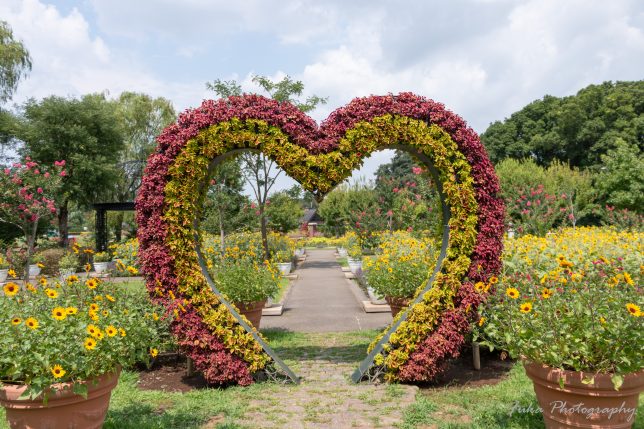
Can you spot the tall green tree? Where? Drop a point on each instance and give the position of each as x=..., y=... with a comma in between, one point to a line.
x=86, y=134
x=620, y=181
x=226, y=208
x=283, y=212
x=15, y=62
x=577, y=130
x=260, y=172
x=141, y=118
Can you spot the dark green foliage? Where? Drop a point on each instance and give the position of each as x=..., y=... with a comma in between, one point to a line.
x=620, y=181
x=577, y=129
x=226, y=209
x=86, y=134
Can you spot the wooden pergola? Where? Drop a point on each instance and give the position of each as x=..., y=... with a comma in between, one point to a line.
x=101, y=220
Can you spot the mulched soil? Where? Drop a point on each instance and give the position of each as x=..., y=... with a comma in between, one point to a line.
x=461, y=372
x=169, y=373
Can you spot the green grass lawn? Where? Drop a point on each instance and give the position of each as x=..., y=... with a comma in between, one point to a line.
x=485, y=407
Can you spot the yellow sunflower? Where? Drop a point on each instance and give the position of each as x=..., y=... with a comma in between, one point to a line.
x=546, y=293
x=633, y=309
x=71, y=310
x=90, y=343
x=72, y=279
x=93, y=307
x=42, y=281
x=110, y=298
x=51, y=293
x=479, y=286
x=481, y=321
x=512, y=292
x=93, y=330
x=59, y=313
x=526, y=307
x=122, y=332
x=31, y=323
x=91, y=283
x=58, y=371
x=132, y=270
x=10, y=289
x=154, y=352
x=12, y=273
x=16, y=321
x=111, y=331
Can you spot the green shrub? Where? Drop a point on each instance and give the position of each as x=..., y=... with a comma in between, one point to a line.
x=243, y=281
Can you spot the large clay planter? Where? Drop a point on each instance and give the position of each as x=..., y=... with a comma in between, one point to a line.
x=4, y=273
x=397, y=304
x=64, y=409
x=252, y=311
x=579, y=405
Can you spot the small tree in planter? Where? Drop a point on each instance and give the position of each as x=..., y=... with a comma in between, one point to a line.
x=27, y=195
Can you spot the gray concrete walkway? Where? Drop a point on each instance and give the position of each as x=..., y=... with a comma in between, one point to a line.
x=321, y=300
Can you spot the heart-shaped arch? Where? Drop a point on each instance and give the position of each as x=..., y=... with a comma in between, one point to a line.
x=223, y=346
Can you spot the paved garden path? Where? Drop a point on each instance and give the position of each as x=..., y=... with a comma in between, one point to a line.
x=321, y=300
x=327, y=398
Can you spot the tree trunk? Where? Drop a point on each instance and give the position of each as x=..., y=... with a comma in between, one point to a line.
x=222, y=233
x=262, y=219
x=63, y=226
x=31, y=245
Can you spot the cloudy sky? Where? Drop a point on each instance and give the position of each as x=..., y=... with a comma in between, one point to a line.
x=483, y=58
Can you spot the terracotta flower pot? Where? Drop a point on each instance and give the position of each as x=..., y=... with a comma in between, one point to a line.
x=579, y=405
x=397, y=304
x=64, y=408
x=252, y=312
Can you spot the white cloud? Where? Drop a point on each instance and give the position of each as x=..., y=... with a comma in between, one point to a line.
x=69, y=60
x=483, y=72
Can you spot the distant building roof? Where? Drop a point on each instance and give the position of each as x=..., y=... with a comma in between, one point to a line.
x=311, y=215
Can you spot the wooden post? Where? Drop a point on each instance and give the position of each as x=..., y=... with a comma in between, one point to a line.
x=191, y=367
x=476, y=356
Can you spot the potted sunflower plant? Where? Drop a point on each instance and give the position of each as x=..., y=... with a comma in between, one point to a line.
x=101, y=262
x=62, y=347
x=569, y=305
x=401, y=265
x=67, y=265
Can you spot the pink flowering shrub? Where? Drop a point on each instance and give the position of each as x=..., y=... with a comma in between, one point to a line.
x=27, y=197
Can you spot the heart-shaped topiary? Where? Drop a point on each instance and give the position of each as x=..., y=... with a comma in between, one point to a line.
x=209, y=330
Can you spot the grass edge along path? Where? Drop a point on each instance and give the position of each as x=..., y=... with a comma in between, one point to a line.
x=448, y=407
